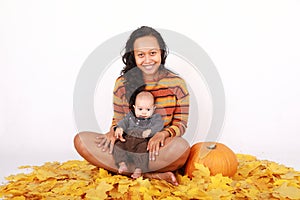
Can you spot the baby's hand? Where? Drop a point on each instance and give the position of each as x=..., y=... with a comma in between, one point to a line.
x=146, y=133
x=119, y=134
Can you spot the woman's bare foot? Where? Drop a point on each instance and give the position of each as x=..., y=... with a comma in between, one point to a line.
x=167, y=176
x=137, y=173
x=122, y=167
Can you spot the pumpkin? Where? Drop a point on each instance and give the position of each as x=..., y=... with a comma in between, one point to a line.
x=217, y=157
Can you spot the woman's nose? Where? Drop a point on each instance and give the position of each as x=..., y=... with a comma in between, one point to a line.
x=147, y=58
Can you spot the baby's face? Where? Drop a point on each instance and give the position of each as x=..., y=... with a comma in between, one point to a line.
x=144, y=107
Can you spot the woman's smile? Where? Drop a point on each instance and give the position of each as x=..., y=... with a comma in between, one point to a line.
x=149, y=67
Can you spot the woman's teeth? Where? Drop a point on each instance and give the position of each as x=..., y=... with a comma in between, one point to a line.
x=148, y=66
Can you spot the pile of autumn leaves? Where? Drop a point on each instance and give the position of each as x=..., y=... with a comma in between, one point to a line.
x=255, y=179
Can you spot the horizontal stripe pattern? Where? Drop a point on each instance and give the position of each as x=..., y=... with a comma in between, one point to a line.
x=171, y=99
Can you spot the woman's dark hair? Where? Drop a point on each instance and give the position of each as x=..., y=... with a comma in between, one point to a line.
x=134, y=79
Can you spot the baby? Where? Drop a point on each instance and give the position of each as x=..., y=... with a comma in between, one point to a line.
x=137, y=127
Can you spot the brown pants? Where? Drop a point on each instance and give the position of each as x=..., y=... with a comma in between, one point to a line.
x=133, y=150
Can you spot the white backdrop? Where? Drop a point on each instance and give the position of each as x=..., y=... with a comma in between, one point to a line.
x=255, y=46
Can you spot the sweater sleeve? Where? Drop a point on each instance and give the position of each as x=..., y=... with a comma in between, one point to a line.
x=118, y=102
x=180, y=116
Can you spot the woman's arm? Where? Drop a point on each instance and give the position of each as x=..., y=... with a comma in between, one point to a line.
x=180, y=117
x=179, y=121
x=120, y=106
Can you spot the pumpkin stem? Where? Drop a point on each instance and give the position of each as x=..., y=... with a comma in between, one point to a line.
x=212, y=146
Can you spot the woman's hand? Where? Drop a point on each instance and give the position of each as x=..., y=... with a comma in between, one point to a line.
x=106, y=141
x=157, y=141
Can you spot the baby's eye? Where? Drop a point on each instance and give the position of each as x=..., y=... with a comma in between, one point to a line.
x=140, y=109
x=148, y=109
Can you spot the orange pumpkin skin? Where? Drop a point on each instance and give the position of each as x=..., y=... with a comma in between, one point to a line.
x=217, y=157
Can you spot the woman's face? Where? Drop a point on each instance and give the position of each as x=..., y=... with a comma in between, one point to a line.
x=147, y=56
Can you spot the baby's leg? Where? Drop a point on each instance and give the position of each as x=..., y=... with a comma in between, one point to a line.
x=122, y=167
x=137, y=173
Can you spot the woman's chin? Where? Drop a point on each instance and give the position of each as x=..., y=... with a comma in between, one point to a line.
x=149, y=74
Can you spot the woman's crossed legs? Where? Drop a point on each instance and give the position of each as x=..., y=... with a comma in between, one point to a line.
x=171, y=156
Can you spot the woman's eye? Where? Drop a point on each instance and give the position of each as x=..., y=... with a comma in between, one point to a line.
x=153, y=53
x=140, y=55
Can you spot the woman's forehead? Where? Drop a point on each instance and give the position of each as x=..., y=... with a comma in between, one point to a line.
x=146, y=43
x=146, y=49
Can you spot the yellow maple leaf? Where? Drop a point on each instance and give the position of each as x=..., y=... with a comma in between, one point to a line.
x=219, y=181
x=245, y=157
x=147, y=196
x=286, y=191
x=100, y=192
x=115, y=194
x=218, y=193
x=19, y=198
x=278, y=169
x=171, y=198
x=43, y=174
x=201, y=170
x=196, y=193
x=143, y=182
x=124, y=185
x=246, y=168
x=290, y=175
x=103, y=173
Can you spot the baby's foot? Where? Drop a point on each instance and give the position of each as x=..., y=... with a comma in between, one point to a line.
x=137, y=173
x=122, y=167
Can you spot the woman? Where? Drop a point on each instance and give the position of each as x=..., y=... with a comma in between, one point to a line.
x=144, y=60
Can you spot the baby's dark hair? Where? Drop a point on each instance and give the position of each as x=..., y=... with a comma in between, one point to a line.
x=134, y=95
x=134, y=79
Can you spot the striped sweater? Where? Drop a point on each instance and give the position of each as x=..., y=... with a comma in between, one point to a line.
x=171, y=99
